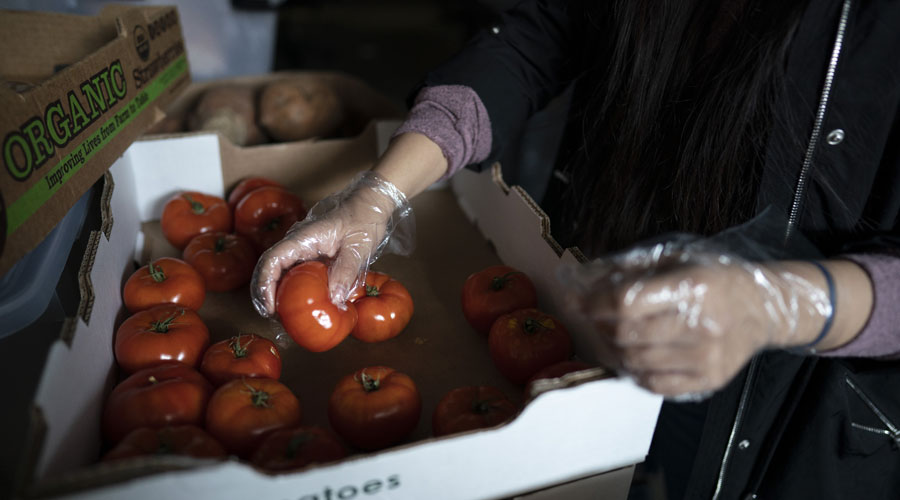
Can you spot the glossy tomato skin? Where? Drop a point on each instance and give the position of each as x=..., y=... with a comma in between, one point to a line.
x=374, y=407
x=297, y=447
x=188, y=440
x=159, y=335
x=166, y=280
x=225, y=261
x=241, y=412
x=241, y=356
x=247, y=185
x=524, y=341
x=305, y=309
x=493, y=292
x=383, y=306
x=168, y=394
x=190, y=213
x=265, y=214
x=471, y=407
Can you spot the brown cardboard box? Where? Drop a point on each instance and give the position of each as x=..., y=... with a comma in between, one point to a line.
x=75, y=92
x=576, y=427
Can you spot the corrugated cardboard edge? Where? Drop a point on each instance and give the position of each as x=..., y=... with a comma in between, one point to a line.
x=106, y=214
x=497, y=176
x=85, y=286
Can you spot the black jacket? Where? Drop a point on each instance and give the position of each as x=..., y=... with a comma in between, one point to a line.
x=787, y=426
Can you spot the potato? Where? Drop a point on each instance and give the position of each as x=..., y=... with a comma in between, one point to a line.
x=230, y=110
x=168, y=125
x=297, y=110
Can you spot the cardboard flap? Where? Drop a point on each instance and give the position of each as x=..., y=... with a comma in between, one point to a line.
x=96, y=83
x=27, y=40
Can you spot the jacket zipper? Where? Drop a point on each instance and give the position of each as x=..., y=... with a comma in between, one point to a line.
x=802, y=182
x=742, y=407
x=796, y=205
x=891, y=430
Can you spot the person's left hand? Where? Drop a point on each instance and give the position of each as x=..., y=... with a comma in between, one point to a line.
x=686, y=324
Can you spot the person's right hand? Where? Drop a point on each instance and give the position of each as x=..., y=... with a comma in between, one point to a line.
x=351, y=228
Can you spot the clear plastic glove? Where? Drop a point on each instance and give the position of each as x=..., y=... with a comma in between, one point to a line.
x=350, y=229
x=683, y=318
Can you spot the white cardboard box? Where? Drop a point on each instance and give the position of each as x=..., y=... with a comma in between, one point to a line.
x=588, y=424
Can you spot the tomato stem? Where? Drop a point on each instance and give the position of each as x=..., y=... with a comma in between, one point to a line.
x=196, y=206
x=499, y=282
x=372, y=291
x=296, y=443
x=531, y=325
x=220, y=245
x=165, y=447
x=156, y=272
x=240, y=351
x=273, y=224
x=369, y=384
x=258, y=397
x=481, y=406
x=164, y=325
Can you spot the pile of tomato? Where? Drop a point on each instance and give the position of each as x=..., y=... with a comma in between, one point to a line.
x=180, y=395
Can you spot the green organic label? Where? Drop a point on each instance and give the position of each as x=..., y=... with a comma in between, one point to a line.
x=23, y=208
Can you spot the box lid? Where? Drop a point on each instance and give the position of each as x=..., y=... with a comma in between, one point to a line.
x=75, y=91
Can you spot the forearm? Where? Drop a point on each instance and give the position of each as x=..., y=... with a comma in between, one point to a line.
x=853, y=298
x=412, y=162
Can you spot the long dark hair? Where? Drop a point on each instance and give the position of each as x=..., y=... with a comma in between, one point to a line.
x=674, y=126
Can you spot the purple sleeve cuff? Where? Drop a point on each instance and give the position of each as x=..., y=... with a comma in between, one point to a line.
x=880, y=338
x=454, y=117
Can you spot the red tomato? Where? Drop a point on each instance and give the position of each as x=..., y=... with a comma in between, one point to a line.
x=187, y=440
x=241, y=356
x=493, y=292
x=471, y=407
x=556, y=370
x=304, y=306
x=169, y=394
x=190, y=213
x=524, y=341
x=166, y=280
x=247, y=185
x=241, y=412
x=287, y=449
x=383, y=306
x=225, y=261
x=158, y=335
x=265, y=214
x=374, y=407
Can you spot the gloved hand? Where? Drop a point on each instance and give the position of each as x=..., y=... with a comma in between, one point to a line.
x=350, y=228
x=683, y=319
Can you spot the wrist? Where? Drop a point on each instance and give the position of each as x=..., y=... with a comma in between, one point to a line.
x=852, y=302
x=412, y=162
x=801, y=301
